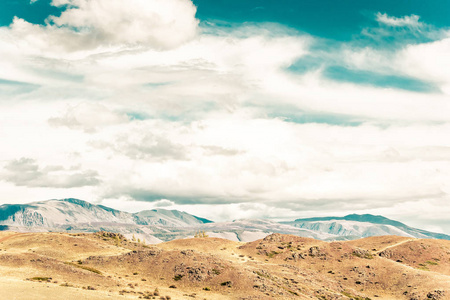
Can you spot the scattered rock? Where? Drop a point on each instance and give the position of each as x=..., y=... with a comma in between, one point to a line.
x=436, y=295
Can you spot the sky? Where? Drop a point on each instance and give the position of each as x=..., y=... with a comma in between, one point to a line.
x=229, y=109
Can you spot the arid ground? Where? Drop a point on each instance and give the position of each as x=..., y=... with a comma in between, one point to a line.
x=107, y=266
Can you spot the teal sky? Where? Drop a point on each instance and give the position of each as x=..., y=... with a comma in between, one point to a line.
x=331, y=19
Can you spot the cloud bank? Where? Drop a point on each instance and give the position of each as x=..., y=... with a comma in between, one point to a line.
x=136, y=104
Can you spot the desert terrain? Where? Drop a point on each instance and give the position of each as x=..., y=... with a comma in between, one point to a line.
x=105, y=265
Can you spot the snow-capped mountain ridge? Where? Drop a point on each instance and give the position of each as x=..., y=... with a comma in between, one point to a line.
x=56, y=213
x=165, y=217
x=363, y=226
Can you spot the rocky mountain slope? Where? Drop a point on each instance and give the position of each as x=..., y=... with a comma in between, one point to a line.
x=155, y=226
x=58, y=213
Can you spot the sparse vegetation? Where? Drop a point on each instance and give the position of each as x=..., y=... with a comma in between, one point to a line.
x=201, y=234
x=272, y=254
x=90, y=269
x=46, y=279
x=362, y=254
x=226, y=283
x=199, y=266
x=177, y=277
x=65, y=284
x=215, y=271
x=354, y=297
x=261, y=274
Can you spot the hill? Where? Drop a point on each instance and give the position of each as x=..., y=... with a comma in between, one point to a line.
x=106, y=265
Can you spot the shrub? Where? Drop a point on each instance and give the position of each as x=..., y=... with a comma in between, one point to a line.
x=90, y=269
x=226, y=283
x=272, y=254
x=48, y=279
x=177, y=277
x=215, y=271
x=362, y=254
x=66, y=284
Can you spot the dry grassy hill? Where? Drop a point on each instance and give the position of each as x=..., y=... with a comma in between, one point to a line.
x=107, y=266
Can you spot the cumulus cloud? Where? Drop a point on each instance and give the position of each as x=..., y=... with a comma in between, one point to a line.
x=163, y=203
x=161, y=24
x=26, y=172
x=101, y=24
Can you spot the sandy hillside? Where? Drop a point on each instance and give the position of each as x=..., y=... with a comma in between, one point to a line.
x=107, y=266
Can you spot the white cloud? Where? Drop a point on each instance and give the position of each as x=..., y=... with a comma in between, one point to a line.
x=26, y=172
x=428, y=61
x=161, y=24
x=88, y=117
x=164, y=203
x=286, y=162
x=409, y=21
x=203, y=121
x=95, y=26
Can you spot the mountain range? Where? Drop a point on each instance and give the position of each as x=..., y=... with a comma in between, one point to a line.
x=154, y=226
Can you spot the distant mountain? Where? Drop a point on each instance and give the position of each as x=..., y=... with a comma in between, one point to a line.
x=54, y=214
x=357, y=226
x=253, y=229
x=74, y=215
x=165, y=217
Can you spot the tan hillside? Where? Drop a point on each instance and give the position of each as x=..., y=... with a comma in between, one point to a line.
x=106, y=266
